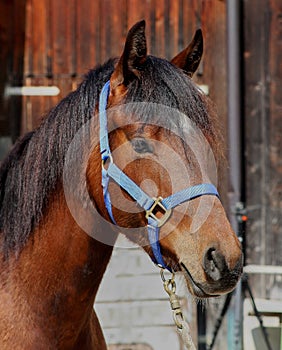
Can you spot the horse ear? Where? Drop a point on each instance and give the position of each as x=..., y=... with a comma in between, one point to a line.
x=133, y=57
x=189, y=59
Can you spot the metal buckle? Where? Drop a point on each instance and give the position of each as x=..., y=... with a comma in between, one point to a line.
x=165, y=212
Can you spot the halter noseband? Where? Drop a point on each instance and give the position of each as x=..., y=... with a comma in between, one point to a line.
x=149, y=204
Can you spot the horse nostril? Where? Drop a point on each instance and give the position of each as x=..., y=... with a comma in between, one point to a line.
x=214, y=264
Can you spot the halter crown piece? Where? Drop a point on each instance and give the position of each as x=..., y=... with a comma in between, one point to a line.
x=149, y=204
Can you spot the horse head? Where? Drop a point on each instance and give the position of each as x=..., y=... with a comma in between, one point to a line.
x=162, y=136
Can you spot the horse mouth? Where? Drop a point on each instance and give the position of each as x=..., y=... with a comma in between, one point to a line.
x=197, y=290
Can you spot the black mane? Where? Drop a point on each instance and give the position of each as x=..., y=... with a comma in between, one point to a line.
x=34, y=167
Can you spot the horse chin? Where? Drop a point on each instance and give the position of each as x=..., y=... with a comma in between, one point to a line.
x=195, y=288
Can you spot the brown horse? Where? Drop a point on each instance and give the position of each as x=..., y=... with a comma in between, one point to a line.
x=51, y=268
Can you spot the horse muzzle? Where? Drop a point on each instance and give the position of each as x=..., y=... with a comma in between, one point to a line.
x=219, y=277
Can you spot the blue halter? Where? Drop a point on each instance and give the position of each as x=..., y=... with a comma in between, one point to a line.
x=149, y=204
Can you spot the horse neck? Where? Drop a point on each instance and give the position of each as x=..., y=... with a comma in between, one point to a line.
x=56, y=277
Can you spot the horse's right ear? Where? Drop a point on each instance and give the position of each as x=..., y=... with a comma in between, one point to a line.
x=190, y=58
x=133, y=57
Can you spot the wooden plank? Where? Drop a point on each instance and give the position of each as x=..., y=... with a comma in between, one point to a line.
x=187, y=15
x=49, y=42
x=257, y=137
x=275, y=139
x=118, y=27
x=151, y=26
x=17, y=22
x=138, y=10
x=39, y=13
x=263, y=110
x=87, y=35
x=105, y=33
x=28, y=55
x=7, y=58
x=62, y=25
x=149, y=16
x=173, y=33
x=213, y=73
x=135, y=12
x=160, y=28
x=214, y=30
x=36, y=58
x=37, y=106
x=12, y=31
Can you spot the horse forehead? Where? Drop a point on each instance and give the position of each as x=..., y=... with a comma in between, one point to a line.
x=149, y=117
x=142, y=129
x=179, y=131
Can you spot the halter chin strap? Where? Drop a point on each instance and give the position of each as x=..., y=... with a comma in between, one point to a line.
x=149, y=204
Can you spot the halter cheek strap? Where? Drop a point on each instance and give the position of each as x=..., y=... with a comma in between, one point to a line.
x=149, y=204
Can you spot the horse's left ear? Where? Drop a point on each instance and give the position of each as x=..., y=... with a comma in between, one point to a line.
x=133, y=57
x=190, y=58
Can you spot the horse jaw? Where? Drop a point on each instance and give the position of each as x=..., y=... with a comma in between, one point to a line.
x=210, y=257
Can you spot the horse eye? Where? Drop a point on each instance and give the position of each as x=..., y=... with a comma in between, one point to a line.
x=140, y=145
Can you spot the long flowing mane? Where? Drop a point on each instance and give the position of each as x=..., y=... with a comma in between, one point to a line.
x=34, y=167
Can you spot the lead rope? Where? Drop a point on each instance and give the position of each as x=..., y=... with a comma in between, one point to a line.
x=182, y=326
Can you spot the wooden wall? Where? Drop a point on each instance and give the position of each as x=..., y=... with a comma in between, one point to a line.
x=64, y=39
x=263, y=138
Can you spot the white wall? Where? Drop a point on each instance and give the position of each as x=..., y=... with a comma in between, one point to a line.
x=132, y=306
